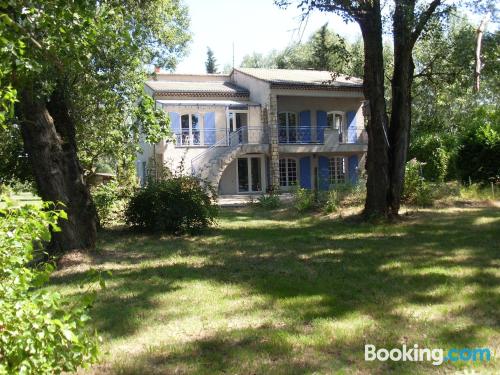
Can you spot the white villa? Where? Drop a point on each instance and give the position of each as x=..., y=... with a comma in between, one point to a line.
x=260, y=129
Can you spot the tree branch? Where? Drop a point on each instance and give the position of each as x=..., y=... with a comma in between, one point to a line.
x=423, y=19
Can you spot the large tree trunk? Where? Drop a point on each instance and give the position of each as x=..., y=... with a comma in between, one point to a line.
x=49, y=139
x=377, y=162
x=399, y=131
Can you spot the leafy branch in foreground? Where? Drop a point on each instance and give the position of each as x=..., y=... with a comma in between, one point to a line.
x=40, y=331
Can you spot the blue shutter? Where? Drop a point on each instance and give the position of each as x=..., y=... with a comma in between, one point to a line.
x=209, y=128
x=305, y=172
x=322, y=124
x=175, y=122
x=175, y=125
x=305, y=127
x=353, y=169
x=351, y=127
x=323, y=173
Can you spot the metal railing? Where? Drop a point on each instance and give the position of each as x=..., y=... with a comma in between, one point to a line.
x=316, y=135
x=202, y=137
x=231, y=140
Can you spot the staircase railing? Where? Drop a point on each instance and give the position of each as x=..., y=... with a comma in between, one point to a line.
x=231, y=141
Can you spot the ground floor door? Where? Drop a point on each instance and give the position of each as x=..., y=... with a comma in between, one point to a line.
x=250, y=174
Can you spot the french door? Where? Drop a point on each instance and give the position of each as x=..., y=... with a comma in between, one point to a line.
x=250, y=174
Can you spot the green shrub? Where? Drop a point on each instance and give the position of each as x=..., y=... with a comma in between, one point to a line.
x=303, y=199
x=181, y=204
x=433, y=151
x=107, y=199
x=40, y=333
x=478, y=157
x=416, y=190
x=269, y=201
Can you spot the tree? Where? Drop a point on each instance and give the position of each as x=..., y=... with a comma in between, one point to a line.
x=388, y=136
x=211, y=63
x=83, y=70
x=328, y=50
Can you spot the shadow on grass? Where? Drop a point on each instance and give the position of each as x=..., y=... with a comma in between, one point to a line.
x=312, y=270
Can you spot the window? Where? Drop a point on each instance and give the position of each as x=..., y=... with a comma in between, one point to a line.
x=336, y=169
x=288, y=172
x=249, y=174
x=190, y=129
x=287, y=122
x=336, y=120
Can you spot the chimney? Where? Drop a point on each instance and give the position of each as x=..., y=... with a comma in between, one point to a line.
x=157, y=69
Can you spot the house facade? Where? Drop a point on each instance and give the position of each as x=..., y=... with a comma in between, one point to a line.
x=260, y=129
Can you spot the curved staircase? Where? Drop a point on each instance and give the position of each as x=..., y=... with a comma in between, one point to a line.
x=210, y=164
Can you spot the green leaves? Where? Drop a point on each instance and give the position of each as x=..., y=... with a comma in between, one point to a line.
x=40, y=333
x=153, y=122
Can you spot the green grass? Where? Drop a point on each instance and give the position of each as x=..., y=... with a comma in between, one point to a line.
x=282, y=293
x=22, y=199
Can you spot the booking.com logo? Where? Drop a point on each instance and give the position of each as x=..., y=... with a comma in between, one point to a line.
x=416, y=354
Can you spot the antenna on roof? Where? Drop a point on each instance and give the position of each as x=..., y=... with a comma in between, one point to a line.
x=233, y=54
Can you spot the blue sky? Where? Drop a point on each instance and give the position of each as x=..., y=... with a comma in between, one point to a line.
x=253, y=25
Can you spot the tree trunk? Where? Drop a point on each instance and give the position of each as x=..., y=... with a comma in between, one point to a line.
x=402, y=79
x=377, y=161
x=49, y=139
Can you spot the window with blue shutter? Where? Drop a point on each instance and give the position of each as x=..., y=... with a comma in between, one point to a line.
x=323, y=173
x=305, y=172
x=305, y=127
x=353, y=169
x=322, y=124
x=352, y=137
x=209, y=128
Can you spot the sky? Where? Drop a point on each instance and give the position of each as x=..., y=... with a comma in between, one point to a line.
x=253, y=26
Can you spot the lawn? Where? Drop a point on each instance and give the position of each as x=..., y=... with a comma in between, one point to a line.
x=278, y=292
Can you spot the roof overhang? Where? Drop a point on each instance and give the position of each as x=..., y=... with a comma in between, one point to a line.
x=192, y=102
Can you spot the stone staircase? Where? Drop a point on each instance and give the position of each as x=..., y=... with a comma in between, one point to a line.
x=211, y=164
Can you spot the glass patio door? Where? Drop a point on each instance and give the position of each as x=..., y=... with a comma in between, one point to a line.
x=250, y=175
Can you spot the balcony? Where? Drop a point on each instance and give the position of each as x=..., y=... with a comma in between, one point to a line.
x=318, y=135
x=221, y=137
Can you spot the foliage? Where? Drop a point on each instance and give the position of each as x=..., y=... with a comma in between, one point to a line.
x=97, y=54
x=181, y=204
x=445, y=107
x=303, y=199
x=269, y=201
x=14, y=165
x=211, y=63
x=416, y=191
x=40, y=333
x=478, y=156
x=337, y=196
x=325, y=50
x=107, y=199
x=435, y=151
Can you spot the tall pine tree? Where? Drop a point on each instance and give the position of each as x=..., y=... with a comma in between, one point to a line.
x=211, y=63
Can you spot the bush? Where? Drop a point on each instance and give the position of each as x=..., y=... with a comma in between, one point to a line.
x=181, y=204
x=303, y=199
x=40, y=333
x=107, y=199
x=432, y=150
x=416, y=190
x=478, y=158
x=269, y=201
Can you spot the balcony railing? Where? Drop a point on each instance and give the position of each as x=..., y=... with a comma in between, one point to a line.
x=207, y=137
x=222, y=137
x=230, y=141
x=316, y=135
